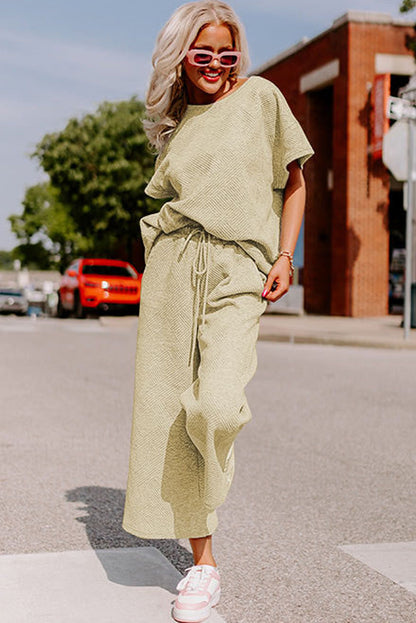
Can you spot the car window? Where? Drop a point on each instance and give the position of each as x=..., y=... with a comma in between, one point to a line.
x=108, y=271
x=6, y=292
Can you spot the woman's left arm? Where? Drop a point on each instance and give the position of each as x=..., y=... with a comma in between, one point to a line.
x=291, y=221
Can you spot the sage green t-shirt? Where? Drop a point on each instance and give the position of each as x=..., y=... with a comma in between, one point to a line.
x=224, y=167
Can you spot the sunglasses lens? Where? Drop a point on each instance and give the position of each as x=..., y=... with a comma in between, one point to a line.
x=228, y=60
x=202, y=58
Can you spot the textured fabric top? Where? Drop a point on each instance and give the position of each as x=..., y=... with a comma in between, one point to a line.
x=224, y=167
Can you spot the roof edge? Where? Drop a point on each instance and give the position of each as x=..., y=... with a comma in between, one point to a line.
x=370, y=17
x=367, y=17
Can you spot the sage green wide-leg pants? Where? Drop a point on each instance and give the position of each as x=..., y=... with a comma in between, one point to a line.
x=196, y=350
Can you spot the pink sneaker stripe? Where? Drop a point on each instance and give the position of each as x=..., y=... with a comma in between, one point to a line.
x=199, y=591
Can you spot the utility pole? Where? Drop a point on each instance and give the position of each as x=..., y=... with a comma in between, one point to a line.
x=409, y=93
x=402, y=163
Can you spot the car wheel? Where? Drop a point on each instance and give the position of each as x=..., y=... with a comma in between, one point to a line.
x=61, y=312
x=79, y=311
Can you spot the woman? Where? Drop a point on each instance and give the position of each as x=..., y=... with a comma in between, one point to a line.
x=230, y=157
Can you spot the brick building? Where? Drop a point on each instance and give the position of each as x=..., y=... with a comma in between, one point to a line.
x=354, y=216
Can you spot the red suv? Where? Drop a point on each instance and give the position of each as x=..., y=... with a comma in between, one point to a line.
x=97, y=286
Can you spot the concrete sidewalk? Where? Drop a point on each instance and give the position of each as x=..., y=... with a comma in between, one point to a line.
x=134, y=585
x=380, y=332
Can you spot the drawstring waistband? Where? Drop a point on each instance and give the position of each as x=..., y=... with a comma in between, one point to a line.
x=200, y=270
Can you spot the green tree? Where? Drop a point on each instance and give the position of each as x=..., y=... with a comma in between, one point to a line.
x=405, y=7
x=48, y=235
x=6, y=260
x=99, y=166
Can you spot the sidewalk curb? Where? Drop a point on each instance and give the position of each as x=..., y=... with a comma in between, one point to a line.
x=334, y=341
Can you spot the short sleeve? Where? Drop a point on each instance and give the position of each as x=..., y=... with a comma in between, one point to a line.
x=159, y=186
x=290, y=142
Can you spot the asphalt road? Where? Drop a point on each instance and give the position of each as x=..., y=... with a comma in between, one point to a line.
x=327, y=460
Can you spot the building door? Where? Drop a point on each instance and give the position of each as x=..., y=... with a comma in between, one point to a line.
x=318, y=217
x=397, y=246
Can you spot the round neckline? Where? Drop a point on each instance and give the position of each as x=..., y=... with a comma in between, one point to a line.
x=226, y=97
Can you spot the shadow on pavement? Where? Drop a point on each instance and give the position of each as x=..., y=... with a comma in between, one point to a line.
x=104, y=508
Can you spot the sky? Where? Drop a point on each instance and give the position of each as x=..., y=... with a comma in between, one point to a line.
x=60, y=59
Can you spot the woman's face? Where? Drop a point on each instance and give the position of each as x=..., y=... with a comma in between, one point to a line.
x=210, y=80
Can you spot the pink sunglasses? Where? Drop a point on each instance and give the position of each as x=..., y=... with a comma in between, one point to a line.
x=202, y=58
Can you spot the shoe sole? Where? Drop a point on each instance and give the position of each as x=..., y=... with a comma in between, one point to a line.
x=196, y=617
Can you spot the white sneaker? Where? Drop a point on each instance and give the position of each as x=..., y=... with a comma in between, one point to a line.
x=199, y=592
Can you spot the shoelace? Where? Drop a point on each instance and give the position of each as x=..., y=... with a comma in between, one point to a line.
x=196, y=576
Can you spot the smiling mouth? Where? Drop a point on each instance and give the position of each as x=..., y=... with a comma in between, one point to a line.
x=211, y=75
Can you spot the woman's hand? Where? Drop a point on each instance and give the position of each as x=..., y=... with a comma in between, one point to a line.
x=279, y=273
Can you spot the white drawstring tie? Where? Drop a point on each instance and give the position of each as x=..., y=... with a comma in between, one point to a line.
x=200, y=270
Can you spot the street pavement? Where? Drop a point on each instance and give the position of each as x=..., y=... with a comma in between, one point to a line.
x=319, y=525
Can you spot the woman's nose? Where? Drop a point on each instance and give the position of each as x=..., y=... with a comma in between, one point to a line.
x=215, y=63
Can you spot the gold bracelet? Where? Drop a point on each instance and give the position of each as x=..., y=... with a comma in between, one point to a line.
x=290, y=258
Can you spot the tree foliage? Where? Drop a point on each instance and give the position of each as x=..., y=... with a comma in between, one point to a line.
x=407, y=5
x=98, y=167
x=48, y=235
x=6, y=260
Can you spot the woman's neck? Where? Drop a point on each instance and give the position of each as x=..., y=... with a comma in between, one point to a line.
x=197, y=96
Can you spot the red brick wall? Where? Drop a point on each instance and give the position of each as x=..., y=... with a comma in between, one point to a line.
x=367, y=181
x=356, y=263
x=339, y=238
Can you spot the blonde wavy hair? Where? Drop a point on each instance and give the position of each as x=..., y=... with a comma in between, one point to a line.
x=166, y=97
